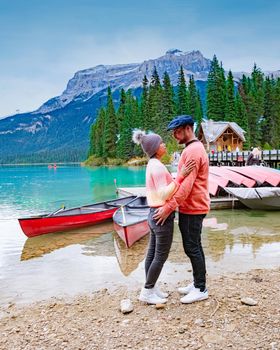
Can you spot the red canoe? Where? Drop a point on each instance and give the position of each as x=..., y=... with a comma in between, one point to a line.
x=130, y=221
x=232, y=176
x=215, y=182
x=251, y=172
x=69, y=219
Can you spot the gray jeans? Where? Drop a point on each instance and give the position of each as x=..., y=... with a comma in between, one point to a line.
x=159, y=247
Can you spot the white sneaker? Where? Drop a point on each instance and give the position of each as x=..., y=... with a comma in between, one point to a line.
x=187, y=289
x=148, y=296
x=160, y=293
x=194, y=295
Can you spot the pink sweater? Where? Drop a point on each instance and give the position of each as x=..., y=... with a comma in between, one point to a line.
x=192, y=196
x=159, y=183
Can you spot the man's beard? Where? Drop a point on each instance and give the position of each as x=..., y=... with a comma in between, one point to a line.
x=183, y=141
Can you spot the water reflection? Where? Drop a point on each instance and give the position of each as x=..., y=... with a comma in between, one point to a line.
x=95, y=241
x=129, y=259
x=89, y=259
x=225, y=230
x=38, y=246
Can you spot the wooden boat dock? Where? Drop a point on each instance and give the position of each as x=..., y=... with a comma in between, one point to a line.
x=216, y=203
x=270, y=158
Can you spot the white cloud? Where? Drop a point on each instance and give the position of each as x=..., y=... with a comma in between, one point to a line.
x=28, y=81
x=26, y=92
x=20, y=95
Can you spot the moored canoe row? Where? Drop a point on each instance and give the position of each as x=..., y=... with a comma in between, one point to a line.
x=69, y=219
x=247, y=176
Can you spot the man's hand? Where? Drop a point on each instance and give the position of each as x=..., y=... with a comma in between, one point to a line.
x=161, y=215
x=187, y=169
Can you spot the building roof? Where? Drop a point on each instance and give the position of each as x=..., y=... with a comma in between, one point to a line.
x=212, y=130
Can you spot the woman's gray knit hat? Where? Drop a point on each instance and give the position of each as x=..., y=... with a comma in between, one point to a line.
x=149, y=142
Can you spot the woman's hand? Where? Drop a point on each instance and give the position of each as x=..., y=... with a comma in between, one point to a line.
x=187, y=169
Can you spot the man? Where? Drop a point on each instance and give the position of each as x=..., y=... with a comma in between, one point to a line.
x=193, y=201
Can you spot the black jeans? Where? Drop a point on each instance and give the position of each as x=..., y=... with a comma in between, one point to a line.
x=190, y=227
x=159, y=247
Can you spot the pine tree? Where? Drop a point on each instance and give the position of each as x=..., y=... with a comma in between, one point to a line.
x=216, y=89
x=256, y=99
x=267, y=122
x=144, y=103
x=125, y=145
x=182, y=94
x=110, y=128
x=121, y=109
x=241, y=115
x=276, y=115
x=168, y=105
x=99, y=133
x=230, y=113
x=193, y=97
x=198, y=111
x=91, y=150
x=155, y=103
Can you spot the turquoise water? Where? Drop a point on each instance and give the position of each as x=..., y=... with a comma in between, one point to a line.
x=88, y=259
x=28, y=190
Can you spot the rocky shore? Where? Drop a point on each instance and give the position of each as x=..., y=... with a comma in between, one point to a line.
x=224, y=321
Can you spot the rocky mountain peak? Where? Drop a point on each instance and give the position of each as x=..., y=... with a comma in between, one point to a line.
x=86, y=83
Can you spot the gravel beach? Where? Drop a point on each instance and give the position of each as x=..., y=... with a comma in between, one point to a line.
x=224, y=321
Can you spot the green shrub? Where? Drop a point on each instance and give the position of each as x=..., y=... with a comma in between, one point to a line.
x=94, y=161
x=267, y=147
x=137, y=161
x=114, y=161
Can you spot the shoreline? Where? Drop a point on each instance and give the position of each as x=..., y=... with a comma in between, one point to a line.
x=28, y=164
x=93, y=321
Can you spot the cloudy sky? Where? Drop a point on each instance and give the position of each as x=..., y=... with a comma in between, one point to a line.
x=43, y=43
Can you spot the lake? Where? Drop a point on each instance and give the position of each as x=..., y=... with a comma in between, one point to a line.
x=86, y=260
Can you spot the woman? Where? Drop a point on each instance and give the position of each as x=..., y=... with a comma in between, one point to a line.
x=160, y=187
x=254, y=157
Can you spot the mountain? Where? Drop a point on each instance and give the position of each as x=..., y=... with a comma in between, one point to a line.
x=59, y=129
x=88, y=82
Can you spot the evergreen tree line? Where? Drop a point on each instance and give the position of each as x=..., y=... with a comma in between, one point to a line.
x=111, y=134
x=51, y=156
x=254, y=104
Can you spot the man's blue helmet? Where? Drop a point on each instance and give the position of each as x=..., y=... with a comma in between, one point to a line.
x=180, y=120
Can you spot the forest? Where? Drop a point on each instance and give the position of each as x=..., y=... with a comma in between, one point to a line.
x=253, y=103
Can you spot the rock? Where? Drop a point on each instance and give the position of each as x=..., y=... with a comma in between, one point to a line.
x=249, y=301
x=198, y=321
x=212, y=338
x=126, y=306
x=125, y=322
x=257, y=279
x=160, y=306
x=230, y=327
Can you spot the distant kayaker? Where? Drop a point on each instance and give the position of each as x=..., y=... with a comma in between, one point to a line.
x=160, y=187
x=193, y=201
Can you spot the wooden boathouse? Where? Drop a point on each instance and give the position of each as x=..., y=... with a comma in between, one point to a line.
x=221, y=136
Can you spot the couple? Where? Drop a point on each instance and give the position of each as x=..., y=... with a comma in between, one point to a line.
x=189, y=192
